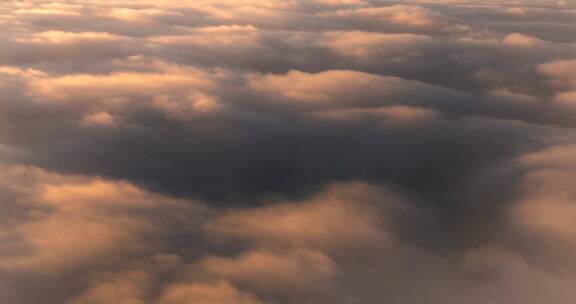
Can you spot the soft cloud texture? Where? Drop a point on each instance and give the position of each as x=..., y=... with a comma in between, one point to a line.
x=278, y=152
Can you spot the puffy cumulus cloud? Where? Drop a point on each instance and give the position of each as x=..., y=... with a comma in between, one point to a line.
x=115, y=86
x=333, y=87
x=220, y=292
x=300, y=270
x=275, y=152
x=560, y=72
x=55, y=225
x=308, y=257
x=548, y=20
x=99, y=119
x=71, y=222
x=128, y=288
x=545, y=205
x=560, y=76
x=521, y=40
x=362, y=45
x=316, y=223
x=58, y=37
x=276, y=269
x=399, y=18
x=381, y=115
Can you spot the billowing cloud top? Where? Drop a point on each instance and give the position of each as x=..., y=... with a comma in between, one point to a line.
x=287, y=151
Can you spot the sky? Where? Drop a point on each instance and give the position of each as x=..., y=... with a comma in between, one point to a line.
x=287, y=152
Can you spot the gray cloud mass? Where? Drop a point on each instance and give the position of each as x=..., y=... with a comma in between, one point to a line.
x=283, y=152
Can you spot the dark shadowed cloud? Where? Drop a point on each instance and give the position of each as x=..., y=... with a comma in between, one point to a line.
x=279, y=152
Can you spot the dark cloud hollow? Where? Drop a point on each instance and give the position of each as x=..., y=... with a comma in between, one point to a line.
x=282, y=152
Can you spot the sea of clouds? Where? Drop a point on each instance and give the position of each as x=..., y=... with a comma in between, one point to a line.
x=287, y=152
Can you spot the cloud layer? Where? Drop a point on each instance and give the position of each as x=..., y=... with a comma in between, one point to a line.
x=278, y=152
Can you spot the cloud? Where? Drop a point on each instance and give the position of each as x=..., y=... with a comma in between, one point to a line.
x=217, y=293
x=384, y=115
x=73, y=222
x=125, y=288
x=118, y=85
x=316, y=223
x=267, y=151
x=542, y=213
x=296, y=271
x=325, y=87
x=398, y=18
